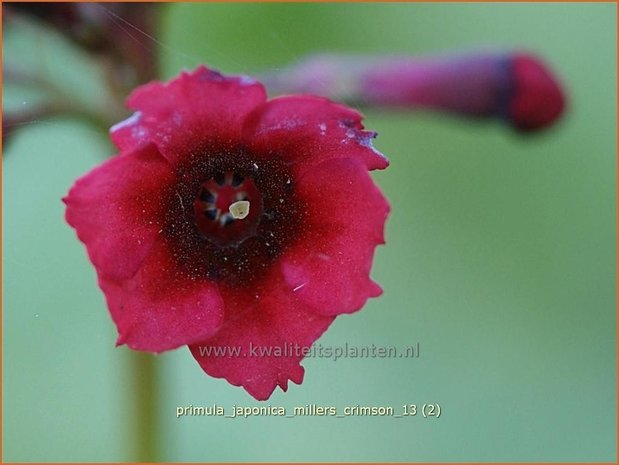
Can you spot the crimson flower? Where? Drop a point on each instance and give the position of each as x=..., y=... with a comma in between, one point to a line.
x=229, y=221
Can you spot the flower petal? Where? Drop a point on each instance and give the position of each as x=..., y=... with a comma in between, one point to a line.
x=329, y=269
x=198, y=109
x=269, y=326
x=166, y=285
x=160, y=308
x=307, y=130
x=114, y=209
x=117, y=213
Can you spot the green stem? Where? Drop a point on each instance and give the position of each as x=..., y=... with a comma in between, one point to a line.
x=144, y=394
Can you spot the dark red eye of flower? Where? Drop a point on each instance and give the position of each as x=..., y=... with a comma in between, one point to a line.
x=222, y=201
x=231, y=216
x=225, y=223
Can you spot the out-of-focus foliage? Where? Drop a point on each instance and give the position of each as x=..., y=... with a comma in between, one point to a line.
x=73, y=59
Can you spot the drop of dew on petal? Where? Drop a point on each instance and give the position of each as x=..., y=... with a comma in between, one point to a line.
x=177, y=119
x=287, y=125
x=164, y=137
x=363, y=138
x=366, y=141
x=245, y=80
x=138, y=132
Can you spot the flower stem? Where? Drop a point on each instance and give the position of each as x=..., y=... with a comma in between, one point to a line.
x=144, y=394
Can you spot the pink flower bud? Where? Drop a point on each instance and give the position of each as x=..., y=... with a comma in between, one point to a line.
x=515, y=87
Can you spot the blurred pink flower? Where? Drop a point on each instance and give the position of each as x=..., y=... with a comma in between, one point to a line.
x=515, y=87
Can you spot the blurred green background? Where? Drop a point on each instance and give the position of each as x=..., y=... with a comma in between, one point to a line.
x=500, y=261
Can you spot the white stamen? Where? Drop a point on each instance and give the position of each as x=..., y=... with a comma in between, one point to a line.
x=239, y=210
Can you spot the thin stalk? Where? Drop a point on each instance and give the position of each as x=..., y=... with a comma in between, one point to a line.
x=144, y=394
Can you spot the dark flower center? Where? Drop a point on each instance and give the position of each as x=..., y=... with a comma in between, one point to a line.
x=231, y=215
x=228, y=209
